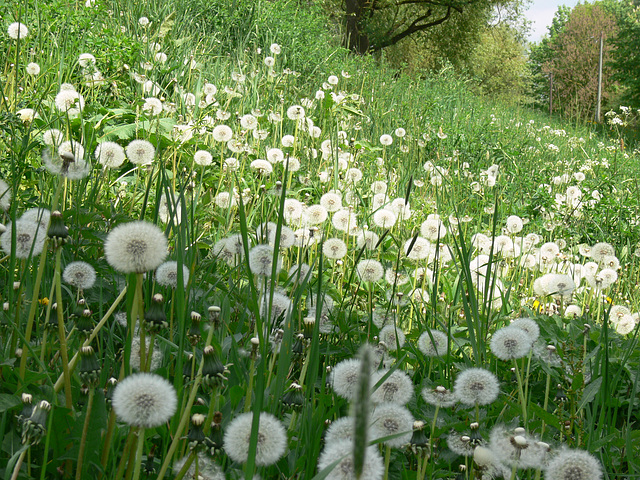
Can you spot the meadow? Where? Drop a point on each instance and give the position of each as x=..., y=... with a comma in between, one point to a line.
x=271, y=262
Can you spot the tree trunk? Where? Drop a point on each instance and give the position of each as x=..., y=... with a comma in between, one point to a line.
x=355, y=40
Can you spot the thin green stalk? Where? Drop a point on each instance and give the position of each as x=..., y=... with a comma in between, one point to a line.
x=85, y=430
x=61, y=332
x=94, y=333
x=523, y=400
x=387, y=460
x=138, y=458
x=185, y=414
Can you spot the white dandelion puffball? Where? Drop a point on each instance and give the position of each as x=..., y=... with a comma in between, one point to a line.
x=80, y=275
x=573, y=465
x=135, y=247
x=17, y=31
x=110, y=154
x=392, y=337
x=86, y=60
x=509, y=343
x=52, y=137
x=152, y=105
x=167, y=274
x=476, y=386
x=386, y=139
x=370, y=270
x=334, y=248
x=340, y=429
x=30, y=238
x=391, y=419
x=272, y=439
x=529, y=326
x=344, y=378
x=261, y=259
x=140, y=152
x=33, y=68
x=433, y=343
x=5, y=195
x=144, y=400
x=222, y=133
x=345, y=469
x=203, y=158
x=69, y=101
x=396, y=388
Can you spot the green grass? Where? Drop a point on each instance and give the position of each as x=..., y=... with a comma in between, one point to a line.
x=472, y=162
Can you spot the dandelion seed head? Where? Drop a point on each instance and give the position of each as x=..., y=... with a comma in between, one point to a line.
x=144, y=400
x=509, y=343
x=392, y=419
x=80, y=275
x=573, y=465
x=135, y=247
x=30, y=238
x=476, y=386
x=397, y=388
x=433, y=343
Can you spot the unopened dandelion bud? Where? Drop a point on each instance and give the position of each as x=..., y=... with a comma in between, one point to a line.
x=194, y=334
x=419, y=442
x=16, y=285
x=89, y=369
x=27, y=407
x=298, y=345
x=187, y=365
x=18, y=353
x=213, y=371
x=196, y=436
x=293, y=398
x=34, y=427
x=214, y=315
x=474, y=426
x=84, y=323
x=57, y=231
x=155, y=317
x=309, y=325
x=108, y=390
x=215, y=439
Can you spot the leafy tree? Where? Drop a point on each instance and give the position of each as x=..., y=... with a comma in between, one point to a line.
x=542, y=53
x=498, y=64
x=626, y=56
x=373, y=25
x=574, y=58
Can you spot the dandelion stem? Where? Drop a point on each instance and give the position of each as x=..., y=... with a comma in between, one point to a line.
x=185, y=468
x=85, y=430
x=523, y=400
x=87, y=342
x=387, y=460
x=61, y=332
x=185, y=414
x=16, y=469
x=138, y=458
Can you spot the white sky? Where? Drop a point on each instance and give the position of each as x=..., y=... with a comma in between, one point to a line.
x=541, y=13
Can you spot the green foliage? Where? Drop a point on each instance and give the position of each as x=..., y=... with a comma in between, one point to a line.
x=626, y=56
x=498, y=65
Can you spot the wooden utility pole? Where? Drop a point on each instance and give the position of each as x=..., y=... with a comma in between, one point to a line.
x=599, y=99
x=550, y=93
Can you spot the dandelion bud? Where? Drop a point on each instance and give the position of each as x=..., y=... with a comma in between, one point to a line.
x=298, y=346
x=213, y=371
x=34, y=427
x=108, y=391
x=27, y=407
x=214, y=315
x=215, y=438
x=196, y=436
x=187, y=365
x=309, y=324
x=293, y=398
x=154, y=317
x=419, y=442
x=194, y=334
x=58, y=232
x=519, y=431
x=89, y=369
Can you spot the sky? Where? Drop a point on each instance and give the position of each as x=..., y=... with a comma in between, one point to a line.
x=540, y=13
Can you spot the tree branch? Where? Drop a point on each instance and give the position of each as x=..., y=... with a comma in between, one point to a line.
x=416, y=26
